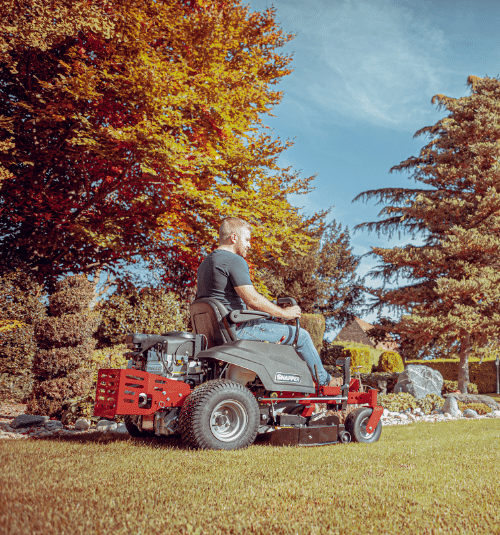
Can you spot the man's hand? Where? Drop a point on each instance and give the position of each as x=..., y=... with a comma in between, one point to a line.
x=292, y=313
x=255, y=301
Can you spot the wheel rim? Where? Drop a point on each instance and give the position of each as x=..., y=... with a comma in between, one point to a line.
x=362, y=428
x=229, y=420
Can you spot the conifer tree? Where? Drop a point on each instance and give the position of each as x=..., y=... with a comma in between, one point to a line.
x=323, y=281
x=451, y=299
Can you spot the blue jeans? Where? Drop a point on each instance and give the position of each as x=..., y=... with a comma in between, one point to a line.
x=272, y=331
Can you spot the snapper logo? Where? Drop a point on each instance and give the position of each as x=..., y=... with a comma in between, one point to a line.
x=286, y=378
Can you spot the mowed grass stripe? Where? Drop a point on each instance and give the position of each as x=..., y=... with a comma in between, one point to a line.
x=421, y=478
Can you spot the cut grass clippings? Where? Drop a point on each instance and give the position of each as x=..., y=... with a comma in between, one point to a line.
x=420, y=478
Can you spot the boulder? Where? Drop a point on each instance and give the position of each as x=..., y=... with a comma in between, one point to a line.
x=475, y=398
x=469, y=413
x=106, y=425
x=451, y=407
x=82, y=424
x=53, y=425
x=419, y=380
x=28, y=420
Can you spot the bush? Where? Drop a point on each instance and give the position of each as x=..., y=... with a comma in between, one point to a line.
x=403, y=401
x=314, y=324
x=65, y=343
x=391, y=362
x=21, y=306
x=150, y=310
x=83, y=406
x=480, y=408
x=452, y=386
x=332, y=351
x=359, y=357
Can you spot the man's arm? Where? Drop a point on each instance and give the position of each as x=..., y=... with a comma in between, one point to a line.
x=255, y=301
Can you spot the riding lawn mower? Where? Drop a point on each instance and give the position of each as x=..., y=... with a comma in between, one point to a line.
x=219, y=392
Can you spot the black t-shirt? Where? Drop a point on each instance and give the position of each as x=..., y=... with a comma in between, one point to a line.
x=219, y=273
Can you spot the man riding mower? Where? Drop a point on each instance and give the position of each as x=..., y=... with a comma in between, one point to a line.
x=220, y=392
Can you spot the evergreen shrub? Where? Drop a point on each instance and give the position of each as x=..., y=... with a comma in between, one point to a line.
x=65, y=343
x=480, y=408
x=403, y=401
x=21, y=306
x=149, y=310
x=391, y=362
x=452, y=386
x=314, y=324
x=359, y=357
x=333, y=350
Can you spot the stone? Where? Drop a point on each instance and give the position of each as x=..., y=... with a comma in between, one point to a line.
x=82, y=424
x=469, y=413
x=475, y=398
x=419, y=380
x=385, y=413
x=106, y=425
x=495, y=414
x=53, y=425
x=451, y=406
x=28, y=420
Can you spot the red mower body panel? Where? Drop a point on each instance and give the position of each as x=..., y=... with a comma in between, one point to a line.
x=119, y=393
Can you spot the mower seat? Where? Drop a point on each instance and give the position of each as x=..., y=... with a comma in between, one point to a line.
x=211, y=318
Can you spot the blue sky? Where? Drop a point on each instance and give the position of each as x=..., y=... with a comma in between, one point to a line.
x=364, y=75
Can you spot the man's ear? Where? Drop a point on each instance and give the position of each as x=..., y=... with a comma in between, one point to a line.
x=234, y=237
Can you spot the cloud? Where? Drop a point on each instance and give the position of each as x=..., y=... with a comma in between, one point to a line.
x=374, y=61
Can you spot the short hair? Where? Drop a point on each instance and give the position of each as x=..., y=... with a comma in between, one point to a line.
x=232, y=225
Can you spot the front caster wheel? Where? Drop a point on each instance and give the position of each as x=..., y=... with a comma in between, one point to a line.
x=219, y=415
x=133, y=425
x=356, y=423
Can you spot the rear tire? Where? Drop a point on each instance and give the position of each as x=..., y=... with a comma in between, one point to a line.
x=356, y=423
x=219, y=415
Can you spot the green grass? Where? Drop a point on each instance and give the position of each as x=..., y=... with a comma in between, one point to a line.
x=421, y=478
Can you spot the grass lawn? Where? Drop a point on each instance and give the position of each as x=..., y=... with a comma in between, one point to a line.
x=421, y=478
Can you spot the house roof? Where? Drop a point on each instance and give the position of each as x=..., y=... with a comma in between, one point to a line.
x=356, y=329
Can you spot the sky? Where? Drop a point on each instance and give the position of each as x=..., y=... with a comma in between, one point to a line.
x=364, y=75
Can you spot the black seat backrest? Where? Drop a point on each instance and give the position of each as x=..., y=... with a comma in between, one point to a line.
x=209, y=317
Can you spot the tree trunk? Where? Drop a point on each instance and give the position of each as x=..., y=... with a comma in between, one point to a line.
x=463, y=367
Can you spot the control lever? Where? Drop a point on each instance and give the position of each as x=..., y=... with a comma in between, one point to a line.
x=291, y=301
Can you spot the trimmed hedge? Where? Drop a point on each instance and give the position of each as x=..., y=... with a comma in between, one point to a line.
x=21, y=306
x=314, y=324
x=359, y=357
x=333, y=350
x=483, y=375
x=391, y=362
x=65, y=343
x=150, y=310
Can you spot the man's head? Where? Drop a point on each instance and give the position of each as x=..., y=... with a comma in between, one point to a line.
x=235, y=233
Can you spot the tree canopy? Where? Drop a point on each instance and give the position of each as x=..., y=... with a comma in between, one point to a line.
x=452, y=280
x=324, y=280
x=131, y=128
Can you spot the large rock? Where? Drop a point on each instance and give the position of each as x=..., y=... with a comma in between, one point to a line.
x=475, y=398
x=451, y=407
x=28, y=420
x=419, y=380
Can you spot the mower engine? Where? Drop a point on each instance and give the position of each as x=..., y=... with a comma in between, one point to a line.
x=171, y=355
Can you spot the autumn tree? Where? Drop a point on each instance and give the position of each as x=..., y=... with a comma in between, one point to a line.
x=130, y=128
x=449, y=299
x=324, y=280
